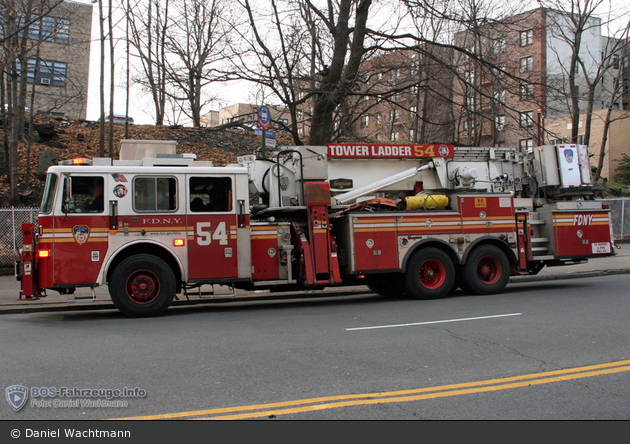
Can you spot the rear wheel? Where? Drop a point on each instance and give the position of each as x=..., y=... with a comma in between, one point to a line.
x=487, y=270
x=430, y=274
x=142, y=286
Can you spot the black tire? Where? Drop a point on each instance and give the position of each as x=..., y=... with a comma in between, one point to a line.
x=487, y=270
x=392, y=289
x=430, y=274
x=142, y=286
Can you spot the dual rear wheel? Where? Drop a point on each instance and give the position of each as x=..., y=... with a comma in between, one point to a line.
x=431, y=273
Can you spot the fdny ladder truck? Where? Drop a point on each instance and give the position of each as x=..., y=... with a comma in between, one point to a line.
x=418, y=220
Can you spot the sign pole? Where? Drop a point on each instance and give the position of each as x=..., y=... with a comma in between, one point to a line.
x=264, y=118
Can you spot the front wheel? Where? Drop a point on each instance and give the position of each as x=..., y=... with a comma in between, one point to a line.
x=487, y=270
x=142, y=285
x=430, y=274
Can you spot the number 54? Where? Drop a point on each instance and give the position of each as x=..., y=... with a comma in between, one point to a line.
x=205, y=237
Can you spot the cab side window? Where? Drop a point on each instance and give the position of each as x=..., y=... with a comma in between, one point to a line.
x=86, y=194
x=210, y=194
x=152, y=194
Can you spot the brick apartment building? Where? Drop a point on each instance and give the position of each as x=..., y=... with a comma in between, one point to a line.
x=61, y=82
x=406, y=97
x=508, y=107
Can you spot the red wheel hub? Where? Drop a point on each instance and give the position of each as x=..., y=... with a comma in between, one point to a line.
x=432, y=273
x=488, y=270
x=143, y=286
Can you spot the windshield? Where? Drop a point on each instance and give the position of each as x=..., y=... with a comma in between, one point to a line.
x=49, y=194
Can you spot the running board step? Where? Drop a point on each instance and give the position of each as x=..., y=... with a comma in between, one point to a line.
x=539, y=240
x=543, y=258
x=91, y=298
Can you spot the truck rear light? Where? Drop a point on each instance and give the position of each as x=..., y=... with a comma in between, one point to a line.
x=605, y=206
x=178, y=242
x=43, y=253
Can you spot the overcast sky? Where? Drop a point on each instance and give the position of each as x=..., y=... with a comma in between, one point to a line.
x=141, y=108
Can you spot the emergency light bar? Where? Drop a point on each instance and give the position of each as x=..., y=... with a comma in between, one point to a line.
x=76, y=161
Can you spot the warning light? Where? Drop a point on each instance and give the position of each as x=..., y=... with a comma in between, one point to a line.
x=78, y=161
x=43, y=253
x=178, y=242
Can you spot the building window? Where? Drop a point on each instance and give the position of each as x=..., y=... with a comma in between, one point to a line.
x=527, y=119
x=364, y=121
x=526, y=144
x=499, y=123
x=625, y=62
x=53, y=29
x=527, y=37
x=393, y=117
x=615, y=60
x=49, y=73
x=470, y=102
x=527, y=64
x=498, y=46
x=411, y=135
x=499, y=96
x=527, y=92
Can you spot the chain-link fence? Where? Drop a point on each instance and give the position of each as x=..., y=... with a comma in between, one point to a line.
x=11, y=220
x=620, y=212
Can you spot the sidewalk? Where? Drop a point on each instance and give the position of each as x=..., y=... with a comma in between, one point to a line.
x=10, y=288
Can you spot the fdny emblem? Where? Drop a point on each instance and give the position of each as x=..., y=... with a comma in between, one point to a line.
x=16, y=396
x=81, y=233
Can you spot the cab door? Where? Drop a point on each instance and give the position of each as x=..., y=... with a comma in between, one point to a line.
x=212, y=220
x=80, y=229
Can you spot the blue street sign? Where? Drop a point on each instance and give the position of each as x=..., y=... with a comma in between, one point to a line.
x=268, y=134
x=264, y=117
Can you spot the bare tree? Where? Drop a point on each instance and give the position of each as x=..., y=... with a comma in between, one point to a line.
x=149, y=25
x=197, y=41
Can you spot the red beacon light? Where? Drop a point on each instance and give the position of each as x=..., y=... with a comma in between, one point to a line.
x=76, y=161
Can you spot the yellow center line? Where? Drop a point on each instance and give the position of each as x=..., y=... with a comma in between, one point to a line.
x=395, y=396
x=312, y=408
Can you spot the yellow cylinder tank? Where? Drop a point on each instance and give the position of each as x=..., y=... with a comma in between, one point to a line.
x=427, y=202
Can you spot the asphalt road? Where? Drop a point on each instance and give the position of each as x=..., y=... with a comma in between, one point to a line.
x=543, y=350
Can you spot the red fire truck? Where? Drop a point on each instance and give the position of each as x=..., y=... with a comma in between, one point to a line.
x=419, y=220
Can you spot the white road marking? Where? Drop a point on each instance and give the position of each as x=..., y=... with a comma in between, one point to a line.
x=433, y=322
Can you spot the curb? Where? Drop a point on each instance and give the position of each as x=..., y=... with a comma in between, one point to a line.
x=103, y=305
